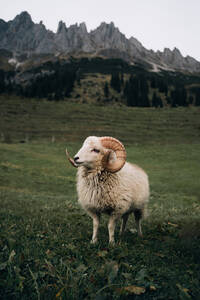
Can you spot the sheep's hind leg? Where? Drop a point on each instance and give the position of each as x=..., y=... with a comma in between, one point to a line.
x=96, y=219
x=123, y=224
x=138, y=218
x=111, y=228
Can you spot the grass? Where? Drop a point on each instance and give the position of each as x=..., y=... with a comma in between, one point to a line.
x=32, y=120
x=44, y=234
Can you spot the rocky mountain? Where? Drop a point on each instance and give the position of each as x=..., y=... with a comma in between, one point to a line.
x=23, y=36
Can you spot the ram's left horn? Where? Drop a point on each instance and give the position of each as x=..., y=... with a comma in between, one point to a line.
x=115, y=145
x=71, y=159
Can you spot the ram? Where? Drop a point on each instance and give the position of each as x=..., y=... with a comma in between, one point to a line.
x=106, y=183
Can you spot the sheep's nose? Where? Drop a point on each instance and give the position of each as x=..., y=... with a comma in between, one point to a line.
x=76, y=158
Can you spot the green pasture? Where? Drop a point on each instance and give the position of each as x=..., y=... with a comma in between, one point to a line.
x=45, y=250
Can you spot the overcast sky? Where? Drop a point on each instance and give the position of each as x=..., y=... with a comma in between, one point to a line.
x=155, y=23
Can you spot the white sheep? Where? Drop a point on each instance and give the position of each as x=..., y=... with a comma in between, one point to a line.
x=106, y=183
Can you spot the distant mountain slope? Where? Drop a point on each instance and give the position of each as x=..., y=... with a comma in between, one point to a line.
x=97, y=80
x=22, y=35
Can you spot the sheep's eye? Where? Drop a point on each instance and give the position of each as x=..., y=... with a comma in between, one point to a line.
x=95, y=150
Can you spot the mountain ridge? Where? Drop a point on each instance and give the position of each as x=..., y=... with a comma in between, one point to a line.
x=22, y=35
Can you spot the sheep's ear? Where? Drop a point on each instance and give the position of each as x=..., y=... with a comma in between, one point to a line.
x=111, y=157
x=106, y=158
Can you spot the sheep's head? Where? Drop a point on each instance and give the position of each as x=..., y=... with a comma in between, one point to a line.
x=104, y=153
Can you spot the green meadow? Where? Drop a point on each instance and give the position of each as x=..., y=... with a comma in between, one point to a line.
x=45, y=250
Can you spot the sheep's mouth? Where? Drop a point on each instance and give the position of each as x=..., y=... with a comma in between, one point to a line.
x=78, y=163
x=75, y=163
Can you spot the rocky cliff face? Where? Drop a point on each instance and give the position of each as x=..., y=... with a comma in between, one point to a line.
x=73, y=39
x=22, y=35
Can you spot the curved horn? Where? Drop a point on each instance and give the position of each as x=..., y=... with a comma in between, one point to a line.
x=71, y=159
x=118, y=148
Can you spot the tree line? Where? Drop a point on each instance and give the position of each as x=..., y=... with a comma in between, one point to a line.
x=135, y=86
x=147, y=90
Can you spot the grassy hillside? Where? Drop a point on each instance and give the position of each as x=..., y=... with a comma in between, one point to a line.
x=44, y=234
x=34, y=120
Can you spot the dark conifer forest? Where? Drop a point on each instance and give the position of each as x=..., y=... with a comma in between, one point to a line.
x=134, y=85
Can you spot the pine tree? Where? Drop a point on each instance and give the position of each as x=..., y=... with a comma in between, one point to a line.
x=115, y=82
x=154, y=100
x=191, y=99
x=173, y=97
x=122, y=79
x=197, y=100
x=106, y=90
x=2, y=81
x=153, y=82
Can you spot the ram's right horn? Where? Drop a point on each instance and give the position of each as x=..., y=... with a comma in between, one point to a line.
x=71, y=159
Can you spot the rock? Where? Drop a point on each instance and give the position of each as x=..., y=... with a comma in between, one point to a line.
x=107, y=36
x=23, y=36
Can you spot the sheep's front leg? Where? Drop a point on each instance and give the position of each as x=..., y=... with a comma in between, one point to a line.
x=96, y=219
x=111, y=228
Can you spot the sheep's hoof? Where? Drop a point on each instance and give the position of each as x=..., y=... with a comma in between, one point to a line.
x=111, y=243
x=93, y=241
x=121, y=232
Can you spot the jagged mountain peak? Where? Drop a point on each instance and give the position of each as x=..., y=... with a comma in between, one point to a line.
x=106, y=28
x=80, y=28
x=23, y=35
x=24, y=14
x=61, y=27
x=104, y=24
x=83, y=27
x=177, y=52
x=107, y=36
x=23, y=18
